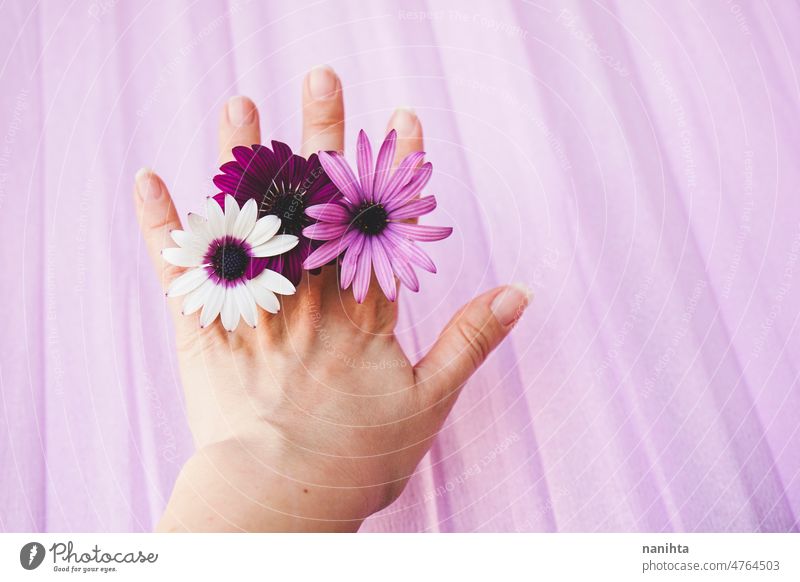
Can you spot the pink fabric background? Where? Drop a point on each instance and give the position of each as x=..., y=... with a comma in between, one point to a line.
x=636, y=163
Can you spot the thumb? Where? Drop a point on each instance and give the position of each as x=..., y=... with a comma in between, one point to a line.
x=469, y=338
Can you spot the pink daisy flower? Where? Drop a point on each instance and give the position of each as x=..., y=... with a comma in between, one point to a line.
x=369, y=225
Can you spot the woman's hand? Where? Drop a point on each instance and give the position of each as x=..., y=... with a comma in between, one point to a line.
x=315, y=419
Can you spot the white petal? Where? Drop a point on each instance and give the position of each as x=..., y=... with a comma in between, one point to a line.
x=198, y=226
x=216, y=220
x=231, y=212
x=182, y=257
x=185, y=239
x=246, y=221
x=247, y=304
x=276, y=282
x=197, y=298
x=264, y=230
x=276, y=245
x=230, y=311
x=187, y=282
x=264, y=297
x=212, y=305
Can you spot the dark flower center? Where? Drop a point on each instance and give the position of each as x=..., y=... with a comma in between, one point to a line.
x=230, y=261
x=289, y=206
x=371, y=218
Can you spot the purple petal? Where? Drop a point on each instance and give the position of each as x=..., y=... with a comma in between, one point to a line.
x=384, y=165
x=314, y=177
x=414, y=187
x=364, y=163
x=276, y=264
x=293, y=269
x=265, y=164
x=414, y=209
x=325, y=231
x=363, y=274
x=340, y=174
x=244, y=156
x=257, y=266
x=299, y=170
x=283, y=156
x=326, y=193
x=330, y=212
x=383, y=268
x=329, y=251
x=405, y=171
x=410, y=251
x=256, y=162
x=238, y=187
x=421, y=232
x=350, y=261
x=232, y=169
x=312, y=167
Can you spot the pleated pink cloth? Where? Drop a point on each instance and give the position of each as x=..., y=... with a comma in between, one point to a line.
x=636, y=164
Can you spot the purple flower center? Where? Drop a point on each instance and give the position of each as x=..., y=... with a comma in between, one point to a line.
x=289, y=206
x=229, y=260
x=371, y=218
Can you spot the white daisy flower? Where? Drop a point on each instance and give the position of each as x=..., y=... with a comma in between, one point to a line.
x=219, y=250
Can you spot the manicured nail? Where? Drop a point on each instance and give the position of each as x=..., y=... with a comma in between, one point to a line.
x=404, y=120
x=510, y=303
x=148, y=186
x=241, y=111
x=322, y=82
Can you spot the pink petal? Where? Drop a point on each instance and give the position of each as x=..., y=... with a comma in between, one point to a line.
x=364, y=163
x=340, y=174
x=329, y=213
x=421, y=232
x=329, y=251
x=363, y=274
x=415, y=208
x=324, y=231
x=414, y=187
x=410, y=251
x=405, y=273
x=405, y=171
x=383, y=269
x=383, y=167
x=350, y=261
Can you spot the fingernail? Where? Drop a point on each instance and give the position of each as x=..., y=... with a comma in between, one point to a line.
x=148, y=186
x=404, y=120
x=241, y=111
x=322, y=82
x=510, y=303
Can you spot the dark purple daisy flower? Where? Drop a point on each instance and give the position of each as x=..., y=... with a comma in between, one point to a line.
x=369, y=223
x=283, y=184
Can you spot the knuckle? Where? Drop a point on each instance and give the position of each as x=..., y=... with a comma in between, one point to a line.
x=170, y=272
x=161, y=223
x=323, y=119
x=477, y=344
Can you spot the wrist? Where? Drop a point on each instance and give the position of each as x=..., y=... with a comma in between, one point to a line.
x=231, y=486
